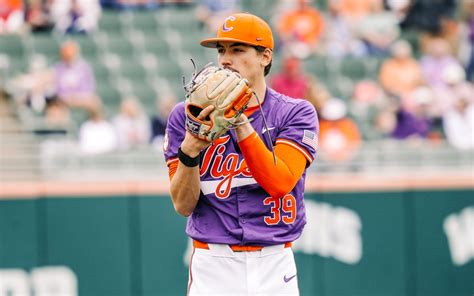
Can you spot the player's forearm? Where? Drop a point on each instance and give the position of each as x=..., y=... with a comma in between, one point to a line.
x=185, y=189
x=185, y=184
x=260, y=162
x=277, y=179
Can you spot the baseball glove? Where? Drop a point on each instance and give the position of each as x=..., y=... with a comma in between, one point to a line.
x=223, y=88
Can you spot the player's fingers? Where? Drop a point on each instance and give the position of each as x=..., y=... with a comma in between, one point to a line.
x=205, y=113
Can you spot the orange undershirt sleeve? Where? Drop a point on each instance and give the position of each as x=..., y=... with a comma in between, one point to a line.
x=172, y=167
x=277, y=179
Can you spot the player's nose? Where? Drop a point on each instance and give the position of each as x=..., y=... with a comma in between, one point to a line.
x=225, y=60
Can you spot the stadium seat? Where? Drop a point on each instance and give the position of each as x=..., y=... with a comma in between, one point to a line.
x=132, y=69
x=17, y=66
x=190, y=41
x=262, y=8
x=180, y=19
x=146, y=94
x=110, y=21
x=169, y=68
x=100, y=70
x=117, y=43
x=109, y=95
x=353, y=68
x=47, y=45
x=372, y=66
x=317, y=65
x=276, y=63
x=87, y=44
x=321, y=5
x=412, y=37
x=176, y=86
x=339, y=86
x=12, y=45
x=157, y=45
x=144, y=21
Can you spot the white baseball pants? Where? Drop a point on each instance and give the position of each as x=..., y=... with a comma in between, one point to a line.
x=222, y=271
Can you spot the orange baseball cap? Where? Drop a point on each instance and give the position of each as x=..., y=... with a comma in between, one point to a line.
x=243, y=27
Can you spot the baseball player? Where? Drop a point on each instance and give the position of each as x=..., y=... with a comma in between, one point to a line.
x=244, y=204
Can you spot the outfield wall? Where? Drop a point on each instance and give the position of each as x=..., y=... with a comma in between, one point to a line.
x=396, y=242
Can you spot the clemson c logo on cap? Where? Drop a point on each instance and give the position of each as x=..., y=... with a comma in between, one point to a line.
x=224, y=25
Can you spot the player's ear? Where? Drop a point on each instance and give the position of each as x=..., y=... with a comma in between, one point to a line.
x=267, y=56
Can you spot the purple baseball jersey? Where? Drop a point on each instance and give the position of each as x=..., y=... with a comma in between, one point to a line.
x=233, y=208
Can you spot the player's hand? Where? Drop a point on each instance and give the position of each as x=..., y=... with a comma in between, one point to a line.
x=226, y=90
x=191, y=145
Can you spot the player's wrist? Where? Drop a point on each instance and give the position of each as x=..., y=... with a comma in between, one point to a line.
x=188, y=160
x=244, y=130
x=192, y=146
x=189, y=149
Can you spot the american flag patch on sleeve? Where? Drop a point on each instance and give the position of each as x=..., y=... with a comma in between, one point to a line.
x=310, y=138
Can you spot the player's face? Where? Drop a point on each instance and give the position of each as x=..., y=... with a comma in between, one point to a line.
x=242, y=58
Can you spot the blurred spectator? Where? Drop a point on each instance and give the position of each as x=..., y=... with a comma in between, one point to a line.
x=75, y=16
x=413, y=118
x=57, y=114
x=57, y=119
x=96, y=134
x=132, y=124
x=291, y=80
x=294, y=82
x=427, y=15
x=130, y=4
x=299, y=29
x=11, y=16
x=318, y=93
x=177, y=3
x=33, y=88
x=212, y=13
x=368, y=105
x=455, y=88
x=164, y=105
x=38, y=15
x=458, y=124
x=470, y=67
x=400, y=8
x=468, y=7
x=384, y=123
x=338, y=38
x=378, y=30
x=339, y=136
x=147, y=4
x=356, y=10
x=74, y=79
x=401, y=73
x=436, y=60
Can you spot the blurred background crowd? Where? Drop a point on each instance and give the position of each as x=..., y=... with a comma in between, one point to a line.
x=107, y=73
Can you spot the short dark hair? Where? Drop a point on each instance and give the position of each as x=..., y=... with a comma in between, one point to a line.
x=267, y=67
